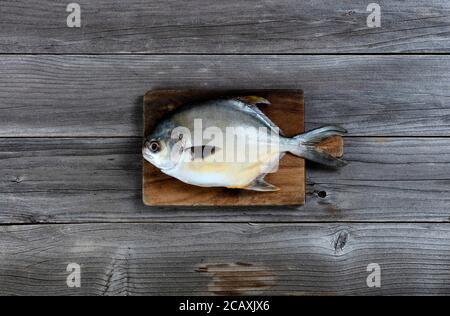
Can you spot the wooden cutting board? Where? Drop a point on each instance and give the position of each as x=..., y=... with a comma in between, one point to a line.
x=286, y=110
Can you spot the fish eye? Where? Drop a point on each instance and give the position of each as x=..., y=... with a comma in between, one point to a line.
x=154, y=146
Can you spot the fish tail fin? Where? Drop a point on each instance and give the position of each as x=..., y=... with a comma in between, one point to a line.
x=305, y=146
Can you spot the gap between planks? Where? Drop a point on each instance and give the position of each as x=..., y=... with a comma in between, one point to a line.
x=281, y=223
x=230, y=54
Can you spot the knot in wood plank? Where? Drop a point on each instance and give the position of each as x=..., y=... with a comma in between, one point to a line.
x=341, y=241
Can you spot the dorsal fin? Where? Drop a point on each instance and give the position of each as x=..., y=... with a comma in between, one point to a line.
x=254, y=100
x=253, y=109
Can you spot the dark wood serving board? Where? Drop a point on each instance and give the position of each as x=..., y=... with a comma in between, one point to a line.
x=286, y=110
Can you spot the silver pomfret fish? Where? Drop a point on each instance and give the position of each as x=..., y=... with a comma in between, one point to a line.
x=229, y=143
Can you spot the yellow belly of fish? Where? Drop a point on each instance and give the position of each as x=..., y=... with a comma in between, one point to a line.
x=224, y=174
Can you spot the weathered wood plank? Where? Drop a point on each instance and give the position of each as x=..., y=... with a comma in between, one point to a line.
x=235, y=26
x=88, y=180
x=208, y=259
x=102, y=95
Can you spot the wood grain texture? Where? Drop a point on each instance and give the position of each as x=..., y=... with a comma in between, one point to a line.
x=70, y=147
x=286, y=111
x=102, y=95
x=235, y=26
x=212, y=259
x=96, y=180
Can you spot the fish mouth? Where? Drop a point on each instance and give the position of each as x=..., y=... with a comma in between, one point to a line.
x=146, y=154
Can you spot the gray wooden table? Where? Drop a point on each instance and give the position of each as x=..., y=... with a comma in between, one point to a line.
x=70, y=137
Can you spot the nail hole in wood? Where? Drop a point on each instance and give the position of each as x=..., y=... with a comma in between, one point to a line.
x=322, y=194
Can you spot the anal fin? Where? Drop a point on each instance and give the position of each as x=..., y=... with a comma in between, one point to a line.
x=261, y=185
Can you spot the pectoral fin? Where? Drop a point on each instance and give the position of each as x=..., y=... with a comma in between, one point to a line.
x=261, y=185
x=201, y=152
x=254, y=100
